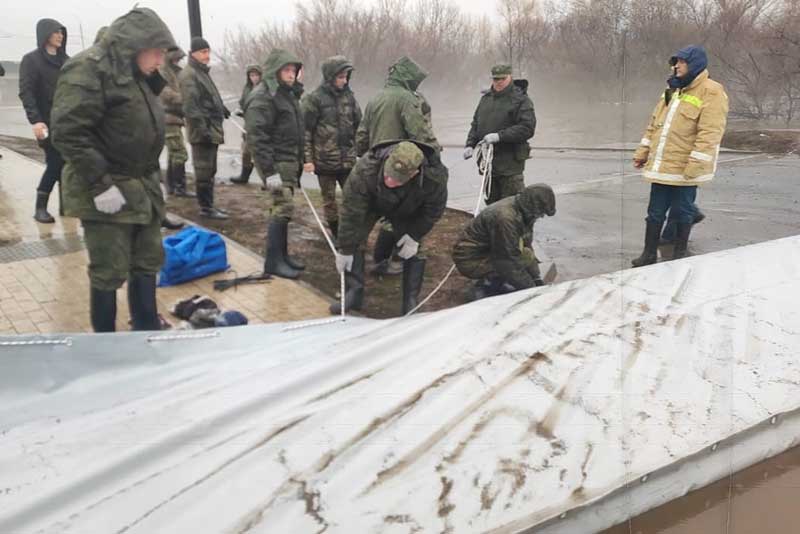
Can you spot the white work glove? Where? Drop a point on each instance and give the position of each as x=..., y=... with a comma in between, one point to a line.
x=110, y=201
x=491, y=138
x=408, y=247
x=468, y=152
x=274, y=182
x=344, y=262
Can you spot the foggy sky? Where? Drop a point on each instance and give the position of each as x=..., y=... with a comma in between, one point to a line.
x=19, y=17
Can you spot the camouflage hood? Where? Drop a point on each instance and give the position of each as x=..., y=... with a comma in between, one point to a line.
x=536, y=201
x=175, y=54
x=276, y=60
x=131, y=33
x=248, y=70
x=406, y=73
x=333, y=66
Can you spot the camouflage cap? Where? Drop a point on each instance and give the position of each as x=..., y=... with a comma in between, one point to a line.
x=403, y=162
x=501, y=71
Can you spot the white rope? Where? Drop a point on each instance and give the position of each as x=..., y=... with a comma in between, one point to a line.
x=485, y=159
x=241, y=128
x=333, y=250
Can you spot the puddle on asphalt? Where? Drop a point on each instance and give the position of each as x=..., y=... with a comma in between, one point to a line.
x=759, y=500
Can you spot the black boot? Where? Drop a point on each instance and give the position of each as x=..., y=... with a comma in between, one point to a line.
x=41, y=214
x=382, y=253
x=413, y=275
x=275, y=262
x=650, y=252
x=354, y=284
x=699, y=216
x=142, y=302
x=103, y=310
x=294, y=263
x=179, y=177
x=244, y=177
x=205, y=197
x=682, y=240
x=169, y=224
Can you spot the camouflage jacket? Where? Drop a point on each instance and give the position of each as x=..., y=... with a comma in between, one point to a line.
x=500, y=229
x=108, y=124
x=412, y=208
x=397, y=112
x=203, y=108
x=273, y=119
x=510, y=114
x=171, y=95
x=331, y=117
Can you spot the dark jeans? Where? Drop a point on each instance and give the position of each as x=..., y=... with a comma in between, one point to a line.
x=52, y=172
x=679, y=200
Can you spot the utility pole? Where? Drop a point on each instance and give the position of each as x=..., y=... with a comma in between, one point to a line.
x=195, y=23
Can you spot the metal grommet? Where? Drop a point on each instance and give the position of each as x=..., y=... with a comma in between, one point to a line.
x=644, y=478
x=773, y=420
x=714, y=447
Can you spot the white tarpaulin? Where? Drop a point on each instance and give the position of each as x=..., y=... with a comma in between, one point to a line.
x=564, y=408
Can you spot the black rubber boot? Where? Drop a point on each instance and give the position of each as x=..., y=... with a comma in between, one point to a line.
x=413, y=275
x=142, y=302
x=244, y=177
x=650, y=253
x=179, y=177
x=103, y=310
x=205, y=197
x=41, y=214
x=699, y=217
x=169, y=224
x=382, y=253
x=682, y=240
x=294, y=263
x=354, y=284
x=275, y=262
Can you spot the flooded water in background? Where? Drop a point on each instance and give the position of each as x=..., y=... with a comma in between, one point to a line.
x=763, y=499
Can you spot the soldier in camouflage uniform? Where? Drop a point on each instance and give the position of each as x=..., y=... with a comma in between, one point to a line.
x=275, y=134
x=332, y=116
x=492, y=248
x=399, y=111
x=204, y=113
x=504, y=118
x=109, y=125
x=253, y=74
x=405, y=182
x=172, y=100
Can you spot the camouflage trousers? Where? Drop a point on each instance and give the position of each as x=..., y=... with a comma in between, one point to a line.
x=117, y=251
x=204, y=159
x=327, y=185
x=283, y=197
x=477, y=263
x=176, y=148
x=505, y=186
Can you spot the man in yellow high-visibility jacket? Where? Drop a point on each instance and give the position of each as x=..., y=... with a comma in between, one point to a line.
x=679, y=148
